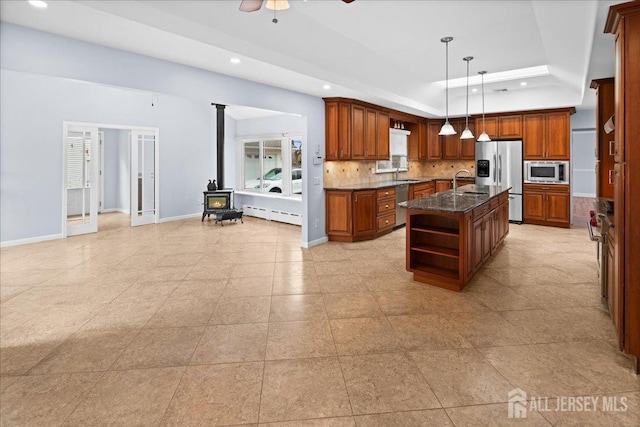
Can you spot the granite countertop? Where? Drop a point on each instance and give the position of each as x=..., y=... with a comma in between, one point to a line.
x=466, y=199
x=385, y=184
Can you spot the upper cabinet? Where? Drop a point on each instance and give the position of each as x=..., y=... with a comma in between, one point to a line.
x=546, y=136
x=454, y=148
x=424, y=141
x=338, y=130
x=501, y=127
x=355, y=132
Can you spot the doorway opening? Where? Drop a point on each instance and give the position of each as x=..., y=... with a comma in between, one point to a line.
x=108, y=168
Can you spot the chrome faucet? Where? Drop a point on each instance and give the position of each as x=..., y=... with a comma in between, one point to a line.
x=455, y=179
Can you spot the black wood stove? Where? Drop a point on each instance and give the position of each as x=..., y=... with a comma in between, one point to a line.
x=220, y=204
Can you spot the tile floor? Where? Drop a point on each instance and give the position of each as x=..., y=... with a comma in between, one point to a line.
x=189, y=323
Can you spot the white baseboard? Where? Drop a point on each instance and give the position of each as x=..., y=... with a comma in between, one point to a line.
x=180, y=217
x=124, y=211
x=592, y=196
x=316, y=242
x=30, y=240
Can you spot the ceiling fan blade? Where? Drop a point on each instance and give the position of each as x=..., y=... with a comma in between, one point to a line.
x=250, y=5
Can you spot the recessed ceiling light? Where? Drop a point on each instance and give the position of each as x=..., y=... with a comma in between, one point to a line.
x=475, y=89
x=523, y=83
x=235, y=60
x=326, y=87
x=500, y=76
x=38, y=3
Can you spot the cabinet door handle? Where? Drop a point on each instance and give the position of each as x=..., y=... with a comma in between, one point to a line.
x=612, y=148
x=386, y=193
x=387, y=221
x=611, y=180
x=386, y=206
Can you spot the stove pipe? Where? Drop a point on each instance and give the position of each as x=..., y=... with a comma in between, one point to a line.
x=220, y=144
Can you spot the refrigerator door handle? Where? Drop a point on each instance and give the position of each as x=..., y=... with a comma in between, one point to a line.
x=495, y=170
x=500, y=169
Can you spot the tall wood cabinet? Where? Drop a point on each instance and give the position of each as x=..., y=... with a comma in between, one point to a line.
x=624, y=22
x=605, y=142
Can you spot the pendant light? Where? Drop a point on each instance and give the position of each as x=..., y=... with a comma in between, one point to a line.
x=483, y=136
x=466, y=133
x=447, y=129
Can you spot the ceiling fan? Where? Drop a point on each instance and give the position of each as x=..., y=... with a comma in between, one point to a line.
x=253, y=5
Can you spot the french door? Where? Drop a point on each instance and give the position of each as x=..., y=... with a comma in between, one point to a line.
x=144, y=189
x=81, y=179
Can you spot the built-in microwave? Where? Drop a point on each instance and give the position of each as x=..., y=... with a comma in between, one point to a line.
x=556, y=172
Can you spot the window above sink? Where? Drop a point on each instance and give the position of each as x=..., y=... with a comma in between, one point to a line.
x=398, y=153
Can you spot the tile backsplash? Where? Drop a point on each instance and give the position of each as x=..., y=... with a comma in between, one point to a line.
x=341, y=173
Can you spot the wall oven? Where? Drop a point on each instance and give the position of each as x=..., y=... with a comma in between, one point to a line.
x=556, y=172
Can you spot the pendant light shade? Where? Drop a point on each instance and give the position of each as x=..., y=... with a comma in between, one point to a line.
x=483, y=136
x=447, y=129
x=277, y=4
x=466, y=133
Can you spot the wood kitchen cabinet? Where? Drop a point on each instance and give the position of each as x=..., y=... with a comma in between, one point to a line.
x=434, y=143
x=443, y=185
x=624, y=22
x=386, y=213
x=353, y=216
x=547, y=205
x=424, y=141
x=445, y=249
x=605, y=143
x=355, y=131
x=500, y=127
x=454, y=148
x=421, y=190
x=546, y=136
x=364, y=213
x=338, y=130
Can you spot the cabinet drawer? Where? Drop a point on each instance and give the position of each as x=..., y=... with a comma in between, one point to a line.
x=556, y=188
x=386, y=206
x=386, y=221
x=387, y=193
x=481, y=211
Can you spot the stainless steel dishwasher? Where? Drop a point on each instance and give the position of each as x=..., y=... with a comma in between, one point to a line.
x=402, y=195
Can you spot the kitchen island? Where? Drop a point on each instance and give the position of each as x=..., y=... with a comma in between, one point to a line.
x=451, y=234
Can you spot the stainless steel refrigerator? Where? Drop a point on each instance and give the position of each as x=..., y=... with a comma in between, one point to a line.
x=500, y=163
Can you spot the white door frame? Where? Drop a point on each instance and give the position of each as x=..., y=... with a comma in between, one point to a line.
x=101, y=172
x=92, y=226
x=134, y=155
x=66, y=124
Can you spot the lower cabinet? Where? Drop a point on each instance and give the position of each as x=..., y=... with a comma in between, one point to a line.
x=443, y=185
x=490, y=227
x=421, y=190
x=364, y=213
x=446, y=249
x=547, y=205
x=353, y=216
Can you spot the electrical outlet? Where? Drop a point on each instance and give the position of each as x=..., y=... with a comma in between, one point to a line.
x=317, y=223
x=317, y=180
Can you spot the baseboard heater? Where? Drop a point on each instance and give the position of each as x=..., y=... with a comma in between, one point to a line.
x=272, y=214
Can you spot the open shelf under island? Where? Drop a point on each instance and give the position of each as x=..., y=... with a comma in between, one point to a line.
x=450, y=235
